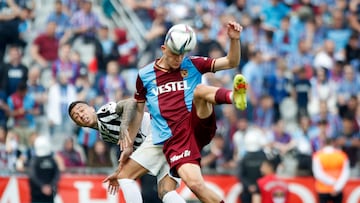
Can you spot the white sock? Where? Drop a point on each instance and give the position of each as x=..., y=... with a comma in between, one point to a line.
x=131, y=191
x=173, y=197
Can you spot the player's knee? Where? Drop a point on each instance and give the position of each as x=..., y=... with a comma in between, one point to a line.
x=199, y=90
x=195, y=185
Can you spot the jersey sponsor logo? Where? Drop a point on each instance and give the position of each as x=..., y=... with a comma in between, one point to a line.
x=184, y=154
x=184, y=73
x=171, y=87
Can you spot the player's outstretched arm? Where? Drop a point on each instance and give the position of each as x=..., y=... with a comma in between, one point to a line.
x=127, y=111
x=232, y=59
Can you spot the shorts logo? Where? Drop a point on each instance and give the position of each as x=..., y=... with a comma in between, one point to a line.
x=184, y=154
x=184, y=73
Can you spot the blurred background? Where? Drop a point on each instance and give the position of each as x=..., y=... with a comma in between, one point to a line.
x=301, y=59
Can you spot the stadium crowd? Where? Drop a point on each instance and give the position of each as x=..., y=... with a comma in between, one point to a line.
x=301, y=59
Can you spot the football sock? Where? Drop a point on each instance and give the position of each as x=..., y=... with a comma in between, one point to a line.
x=131, y=191
x=223, y=96
x=173, y=197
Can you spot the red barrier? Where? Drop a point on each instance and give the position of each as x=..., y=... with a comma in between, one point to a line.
x=90, y=189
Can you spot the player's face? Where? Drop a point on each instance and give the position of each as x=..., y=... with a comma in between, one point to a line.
x=83, y=115
x=173, y=60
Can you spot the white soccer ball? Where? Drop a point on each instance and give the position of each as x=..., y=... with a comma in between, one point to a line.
x=180, y=38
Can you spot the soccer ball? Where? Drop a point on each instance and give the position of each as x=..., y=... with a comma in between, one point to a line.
x=180, y=39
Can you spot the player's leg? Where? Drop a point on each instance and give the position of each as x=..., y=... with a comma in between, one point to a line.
x=128, y=174
x=167, y=190
x=191, y=175
x=204, y=94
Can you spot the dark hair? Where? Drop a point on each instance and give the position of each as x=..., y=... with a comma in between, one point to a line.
x=273, y=162
x=22, y=86
x=73, y=104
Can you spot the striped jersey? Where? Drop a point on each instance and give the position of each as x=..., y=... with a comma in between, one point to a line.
x=109, y=125
x=169, y=95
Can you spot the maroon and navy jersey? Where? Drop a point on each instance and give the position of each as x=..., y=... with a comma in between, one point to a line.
x=273, y=190
x=169, y=95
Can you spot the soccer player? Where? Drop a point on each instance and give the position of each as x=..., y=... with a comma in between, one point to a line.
x=112, y=120
x=182, y=109
x=271, y=189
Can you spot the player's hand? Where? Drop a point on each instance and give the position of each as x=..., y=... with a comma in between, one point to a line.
x=234, y=29
x=124, y=138
x=114, y=185
x=46, y=189
x=124, y=156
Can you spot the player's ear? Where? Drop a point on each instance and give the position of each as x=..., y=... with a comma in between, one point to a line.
x=163, y=48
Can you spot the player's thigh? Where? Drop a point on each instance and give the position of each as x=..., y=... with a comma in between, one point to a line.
x=132, y=170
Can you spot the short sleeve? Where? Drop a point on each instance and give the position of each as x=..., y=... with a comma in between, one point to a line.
x=203, y=64
x=140, y=93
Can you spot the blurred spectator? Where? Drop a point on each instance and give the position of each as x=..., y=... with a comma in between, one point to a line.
x=14, y=72
x=300, y=58
x=322, y=133
x=13, y=28
x=106, y=50
x=350, y=108
x=127, y=49
x=3, y=152
x=302, y=139
x=349, y=141
x=331, y=172
x=338, y=32
x=286, y=38
x=86, y=138
x=239, y=138
x=69, y=157
x=278, y=85
x=313, y=33
x=264, y=113
x=326, y=57
x=61, y=19
x=71, y=6
x=112, y=86
x=253, y=72
x=249, y=166
x=238, y=9
x=212, y=154
x=322, y=89
x=270, y=188
x=38, y=92
x=281, y=141
x=85, y=23
x=206, y=42
x=43, y=172
x=333, y=119
x=64, y=65
x=352, y=51
x=301, y=92
x=99, y=155
x=59, y=96
x=254, y=33
x=156, y=34
x=349, y=86
x=4, y=109
x=13, y=150
x=143, y=9
x=22, y=110
x=269, y=53
x=230, y=127
x=85, y=91
x=272, y=13
x=44, y=49
x=337, y=73
x=354, y=18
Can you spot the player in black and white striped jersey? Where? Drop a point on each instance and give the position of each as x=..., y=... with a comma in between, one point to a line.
x=109, y=124
x=112, y=120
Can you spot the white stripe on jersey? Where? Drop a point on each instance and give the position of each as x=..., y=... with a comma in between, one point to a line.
x=109, y=125
x=109, y=118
